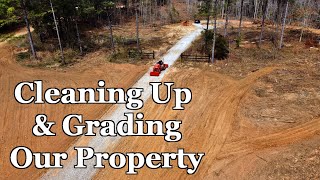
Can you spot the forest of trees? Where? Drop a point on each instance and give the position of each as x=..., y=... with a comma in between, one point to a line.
x=56, y=19
x=301, y=13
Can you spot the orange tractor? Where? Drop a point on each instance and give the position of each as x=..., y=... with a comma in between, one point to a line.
x=157, y=68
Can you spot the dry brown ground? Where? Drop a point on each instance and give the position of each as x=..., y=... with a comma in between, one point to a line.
x=236, y=147
x=159, y=38
x=17, y=120
x=255, y=117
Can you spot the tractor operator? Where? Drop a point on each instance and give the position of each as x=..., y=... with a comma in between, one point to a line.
x=160, y=62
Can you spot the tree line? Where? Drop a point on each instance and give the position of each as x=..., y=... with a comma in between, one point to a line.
x=304, y=13
x=64, y=20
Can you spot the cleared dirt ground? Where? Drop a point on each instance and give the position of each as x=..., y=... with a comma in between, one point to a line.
x=236, y=147
x=17, y=120
x=255, y=116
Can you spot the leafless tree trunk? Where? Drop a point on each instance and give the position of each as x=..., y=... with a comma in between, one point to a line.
x=227, y=18
x=284, y=24
x=78, y=37
x=240, y=23
x=214, y=30
x=58, y=35
x=120, y=15
x=256, y=8
x=78, y=33
x=111, y=33
x=137, y=28
x=277, y=22
x=208, y=20
x=142, y=12
x=222, y=9
x=264, y=11
x=267, y=12
x=305, y=17
x=154, y=19
x=33, y=51
x=302, y=29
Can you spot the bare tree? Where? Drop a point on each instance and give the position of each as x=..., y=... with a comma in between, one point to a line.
x=227, y=17
x=264, y=13
x=223, y=8
x=137, y=27
x=277, y=21
x=58, y=34
x=110, y=8
x=240, y=23
x=256, y=8
x=25, y=12
x=208, y=21
x=78, y=33
x=111, y=33
x=214, y=30
x=305, y=18
x=284, y=24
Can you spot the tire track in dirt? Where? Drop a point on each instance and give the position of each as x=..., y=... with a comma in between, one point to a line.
x=281, y=138
x=205, y=128
x=225, y=114
x=233, y=151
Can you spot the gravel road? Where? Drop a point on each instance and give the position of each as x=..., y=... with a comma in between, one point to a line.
x=116, y=113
